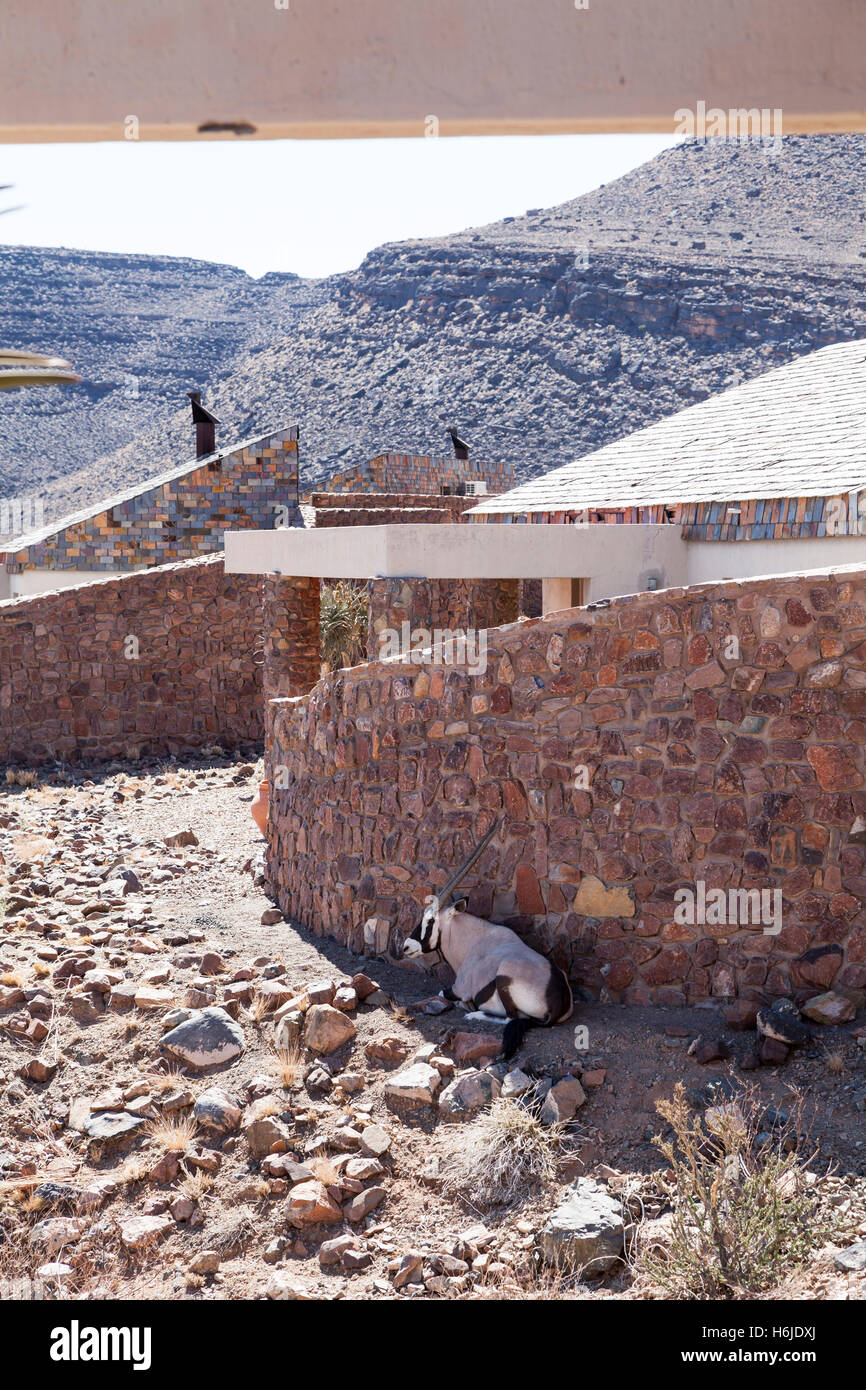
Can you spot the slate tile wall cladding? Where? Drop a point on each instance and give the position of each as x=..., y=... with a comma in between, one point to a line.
x=418, y=473
x=745, y=772
x=68, y=691
x=177, y=518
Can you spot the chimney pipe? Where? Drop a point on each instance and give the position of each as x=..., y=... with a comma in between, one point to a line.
x=461, y=448
x=204, y=421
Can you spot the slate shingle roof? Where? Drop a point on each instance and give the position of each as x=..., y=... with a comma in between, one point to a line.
x=797, y=431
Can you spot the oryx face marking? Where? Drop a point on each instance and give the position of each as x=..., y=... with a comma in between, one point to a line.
x=425, y=938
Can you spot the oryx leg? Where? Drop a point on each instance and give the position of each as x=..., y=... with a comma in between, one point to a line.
x=487, y=1005
x=448, y=994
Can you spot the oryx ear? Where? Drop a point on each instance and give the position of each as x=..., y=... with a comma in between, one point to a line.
x=460, y=904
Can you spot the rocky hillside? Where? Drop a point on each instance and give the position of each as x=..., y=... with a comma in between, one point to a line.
x=141, y=330
x=542, y=336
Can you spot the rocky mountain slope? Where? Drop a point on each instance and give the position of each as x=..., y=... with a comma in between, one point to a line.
x=141, y=330
x=542, y=337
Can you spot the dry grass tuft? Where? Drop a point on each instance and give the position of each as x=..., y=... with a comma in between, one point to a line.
x=834, y=1060
x=13, y=979
x=195, y=1185
x=504, y=1156
x=262, y=1007
x=290, y=1065
x=325, y=1169
x=173, y=1132
x=135, y=1169
x=745, y=1212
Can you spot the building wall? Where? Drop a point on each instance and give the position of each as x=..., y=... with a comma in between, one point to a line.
x=419, y=473
x=714, y=734
x=177, y=518
x=148, y=663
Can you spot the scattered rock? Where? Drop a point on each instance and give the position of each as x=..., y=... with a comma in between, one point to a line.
x=375, y=1141
x=288, y=1288
x=772, y=1052
x=55, y=1233
x=476, y=1047
x=138, y=1231
x=562, y=1101
x=516, y=1083
x=470, y=1092
x=364, y=1203
x=417, y=1085
x=326, y=1029
x=310, y=1203
x=206, y=1262
x=829, y=1008
x=181, y=839
x=387, y=1050
x=586, y=1233
x=853, y=1259
x=217, y=1110
x=711, y=1050
x=111, y=1126
x=209, y=1038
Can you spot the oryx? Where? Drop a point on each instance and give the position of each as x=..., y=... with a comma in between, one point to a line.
x=501, y=977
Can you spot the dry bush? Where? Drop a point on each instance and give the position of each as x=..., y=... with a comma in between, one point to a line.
x=506, y=1154
x=13, y=979
x=21, y=777
x=173, y=1132
x=744, y=1210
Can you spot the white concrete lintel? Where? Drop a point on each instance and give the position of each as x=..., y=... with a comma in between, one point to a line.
x=620, y=554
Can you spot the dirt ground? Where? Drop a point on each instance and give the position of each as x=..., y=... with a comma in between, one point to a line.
x=61, y=842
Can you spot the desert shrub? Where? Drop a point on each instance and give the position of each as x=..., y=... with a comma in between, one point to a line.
x=744, y=1210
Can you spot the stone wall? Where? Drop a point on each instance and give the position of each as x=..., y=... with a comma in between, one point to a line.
x=178, y=515
x=447, y=604
x=147, y=663
x=712, y=735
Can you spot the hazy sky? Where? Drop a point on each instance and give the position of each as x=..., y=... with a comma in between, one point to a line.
x=311, y=206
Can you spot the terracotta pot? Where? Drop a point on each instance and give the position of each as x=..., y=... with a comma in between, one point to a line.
x=259, y=808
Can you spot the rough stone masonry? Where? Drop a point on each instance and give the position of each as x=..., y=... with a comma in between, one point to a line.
x=711, y=734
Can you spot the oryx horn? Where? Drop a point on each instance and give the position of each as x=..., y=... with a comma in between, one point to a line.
x=444, y=893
